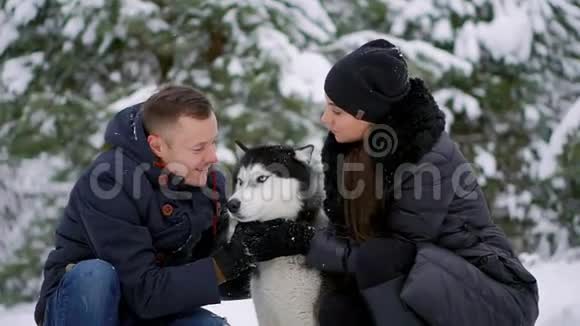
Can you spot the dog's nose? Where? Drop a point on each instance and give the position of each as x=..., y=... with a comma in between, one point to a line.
x=234, y=205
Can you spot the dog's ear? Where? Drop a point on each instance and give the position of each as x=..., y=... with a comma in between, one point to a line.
x=243, y=147
x=304, y=154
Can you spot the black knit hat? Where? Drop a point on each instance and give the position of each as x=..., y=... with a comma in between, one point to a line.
x=368, y=80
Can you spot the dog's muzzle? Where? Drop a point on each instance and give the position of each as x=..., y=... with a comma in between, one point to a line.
x=234, y=205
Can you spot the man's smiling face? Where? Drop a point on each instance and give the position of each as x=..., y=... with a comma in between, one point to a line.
x=188, y=147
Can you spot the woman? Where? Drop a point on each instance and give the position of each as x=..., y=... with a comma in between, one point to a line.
x=415, y=245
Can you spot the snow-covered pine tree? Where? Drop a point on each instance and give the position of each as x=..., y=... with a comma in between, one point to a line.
x=502, y=70
x=558, y=186
x=64, y=62
x=568, y=196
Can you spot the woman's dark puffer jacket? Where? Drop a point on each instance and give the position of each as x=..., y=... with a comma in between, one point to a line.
x=465, y=271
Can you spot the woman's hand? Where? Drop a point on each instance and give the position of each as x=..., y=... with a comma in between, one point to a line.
x=382, y=259
x=332, y=254
x=275, y=238
x=372, y=262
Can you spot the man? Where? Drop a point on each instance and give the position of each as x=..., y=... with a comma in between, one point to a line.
x=137, y=242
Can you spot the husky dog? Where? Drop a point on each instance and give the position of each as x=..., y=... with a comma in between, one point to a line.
x=280, y=182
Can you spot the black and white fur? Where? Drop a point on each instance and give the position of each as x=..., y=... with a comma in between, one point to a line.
x=281, y=182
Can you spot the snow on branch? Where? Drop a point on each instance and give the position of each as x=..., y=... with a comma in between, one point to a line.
x=424, y=54
x=570, y=123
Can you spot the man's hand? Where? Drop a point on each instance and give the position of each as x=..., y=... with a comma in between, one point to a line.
x=275, y=238
x=222, y=228
x=232, y=259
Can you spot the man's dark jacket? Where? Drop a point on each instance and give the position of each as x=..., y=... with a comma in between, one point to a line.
x=157, y=238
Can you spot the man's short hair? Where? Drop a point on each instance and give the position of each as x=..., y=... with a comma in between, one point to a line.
x=172, y=102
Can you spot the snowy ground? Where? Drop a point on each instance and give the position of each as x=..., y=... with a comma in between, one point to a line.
x=559, y=300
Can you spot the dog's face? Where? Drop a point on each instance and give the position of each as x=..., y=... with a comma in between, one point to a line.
x=270, y=183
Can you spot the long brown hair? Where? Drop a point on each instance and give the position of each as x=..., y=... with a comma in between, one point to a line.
x=360, y=212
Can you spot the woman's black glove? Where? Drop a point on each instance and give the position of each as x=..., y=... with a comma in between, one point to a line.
x=332, y=254
x=374, y=261
x=380, y=260
x=275, y=238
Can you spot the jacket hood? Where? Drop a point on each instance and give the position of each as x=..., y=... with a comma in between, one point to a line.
x=127, y=133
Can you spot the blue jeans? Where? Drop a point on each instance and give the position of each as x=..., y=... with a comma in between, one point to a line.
x=89, y=295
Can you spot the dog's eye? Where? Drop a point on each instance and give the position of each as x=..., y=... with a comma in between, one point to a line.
x=239, y=181
x=262, y=178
